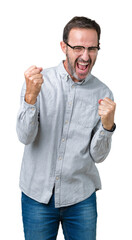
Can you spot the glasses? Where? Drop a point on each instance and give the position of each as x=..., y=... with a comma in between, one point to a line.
x=79, y=50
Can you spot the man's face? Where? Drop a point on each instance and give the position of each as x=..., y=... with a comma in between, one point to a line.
x=78, y=65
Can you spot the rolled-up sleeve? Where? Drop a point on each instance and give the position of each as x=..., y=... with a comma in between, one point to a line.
x=27, y=120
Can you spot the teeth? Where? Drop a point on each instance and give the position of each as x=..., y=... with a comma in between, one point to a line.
x=84, y=64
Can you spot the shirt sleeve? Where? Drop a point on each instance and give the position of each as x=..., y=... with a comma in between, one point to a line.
x=27, y=120
x=101, y=143
x=101, y=140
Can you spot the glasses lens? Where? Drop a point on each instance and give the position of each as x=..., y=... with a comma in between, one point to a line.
x=78, y=50
x=93, y=50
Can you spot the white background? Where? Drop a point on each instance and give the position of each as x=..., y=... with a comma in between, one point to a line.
x=30, y=34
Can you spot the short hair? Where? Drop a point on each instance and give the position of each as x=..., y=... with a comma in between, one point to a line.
x=81, y=22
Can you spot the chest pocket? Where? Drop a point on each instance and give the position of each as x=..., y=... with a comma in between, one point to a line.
x=84, y=114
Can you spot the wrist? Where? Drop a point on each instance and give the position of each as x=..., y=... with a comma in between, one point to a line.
x=30, y=99
x=110, y=129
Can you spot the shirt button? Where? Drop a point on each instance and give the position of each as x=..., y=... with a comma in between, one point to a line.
x=63, y=140
x=66, y=121
x=102, y=133
x=60, y=158
x=57, y=178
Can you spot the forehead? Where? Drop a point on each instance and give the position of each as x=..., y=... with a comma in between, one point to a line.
x=81, y=36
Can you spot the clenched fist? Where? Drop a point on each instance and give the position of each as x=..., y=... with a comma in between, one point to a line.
x=107, y=111
x=34, y=80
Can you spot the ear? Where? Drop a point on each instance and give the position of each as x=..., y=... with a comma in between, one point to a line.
x=63, y=47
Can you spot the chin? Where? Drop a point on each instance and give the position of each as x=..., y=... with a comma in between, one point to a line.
x=80, y=78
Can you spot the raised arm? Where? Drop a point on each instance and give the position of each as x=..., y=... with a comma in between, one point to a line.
x=27, y=119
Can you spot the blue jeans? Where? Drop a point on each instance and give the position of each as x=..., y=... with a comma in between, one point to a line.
x=41, y=221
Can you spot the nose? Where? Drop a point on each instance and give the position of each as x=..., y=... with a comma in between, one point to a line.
x=86, y=55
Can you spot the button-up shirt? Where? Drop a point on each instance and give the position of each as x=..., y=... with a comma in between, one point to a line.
x=63, y=138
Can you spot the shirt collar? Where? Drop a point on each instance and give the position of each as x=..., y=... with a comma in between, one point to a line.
x=62, y=71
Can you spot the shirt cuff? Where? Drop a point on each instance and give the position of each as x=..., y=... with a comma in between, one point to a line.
x=27, y=105
x=105, y=133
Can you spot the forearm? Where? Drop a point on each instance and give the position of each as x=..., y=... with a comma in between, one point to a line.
x=100, y=144
x=27, y=123
x=27, y=119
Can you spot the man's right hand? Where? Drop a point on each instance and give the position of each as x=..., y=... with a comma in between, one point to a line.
x=34, y=80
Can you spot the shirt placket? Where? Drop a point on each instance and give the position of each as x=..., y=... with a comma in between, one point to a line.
x=61, y=153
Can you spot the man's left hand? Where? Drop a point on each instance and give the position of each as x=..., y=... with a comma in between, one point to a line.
x=107, y=111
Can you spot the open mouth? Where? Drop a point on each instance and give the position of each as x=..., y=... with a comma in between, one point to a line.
x=82, y=67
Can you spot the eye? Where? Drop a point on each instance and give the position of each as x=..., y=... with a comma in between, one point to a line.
x=92, y=49
x=78, y=48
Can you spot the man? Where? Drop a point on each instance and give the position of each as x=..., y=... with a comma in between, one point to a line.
x=66, y=120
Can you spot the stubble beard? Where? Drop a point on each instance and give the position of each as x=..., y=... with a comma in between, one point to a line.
x=73, y=71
